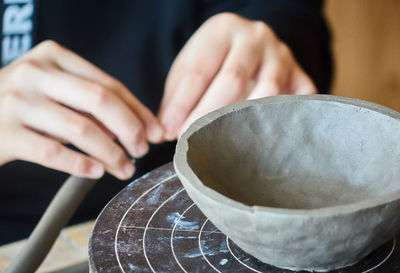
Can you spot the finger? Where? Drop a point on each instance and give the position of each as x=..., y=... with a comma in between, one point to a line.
x=190, y=76
x=98, y=123
x=30, y=146
x=266, y=88
x=206, y=46
x=229, y=85
x=90, y=97
x=58, y=121
x=78, y=66
x=301, y=83
x=89, y=116
x=273, y=74
x=7, y=138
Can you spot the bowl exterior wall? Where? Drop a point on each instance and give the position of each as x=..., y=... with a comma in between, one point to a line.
x=301, y=242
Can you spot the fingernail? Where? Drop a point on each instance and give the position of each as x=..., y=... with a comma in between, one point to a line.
x=97, y=170
x=142, y=149
x=170, y=127
x=129, y=169
x=171, y=130
x=156, y=132
x=170, y=137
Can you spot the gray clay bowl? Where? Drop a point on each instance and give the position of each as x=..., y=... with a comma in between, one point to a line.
x=299, y=182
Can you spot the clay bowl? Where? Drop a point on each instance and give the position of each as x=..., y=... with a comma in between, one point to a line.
x=299, y=182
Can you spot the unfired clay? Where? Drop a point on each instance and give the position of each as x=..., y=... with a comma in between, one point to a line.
x=299, y=182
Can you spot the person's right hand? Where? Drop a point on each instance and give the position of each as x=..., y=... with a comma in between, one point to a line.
x=51, y=95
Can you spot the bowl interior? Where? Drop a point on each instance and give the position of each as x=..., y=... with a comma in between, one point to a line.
x=301, y=154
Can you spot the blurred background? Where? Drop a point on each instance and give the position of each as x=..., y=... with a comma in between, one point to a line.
x=366, y=49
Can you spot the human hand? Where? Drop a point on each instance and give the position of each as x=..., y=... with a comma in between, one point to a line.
x=228, y=59
x=51, y=94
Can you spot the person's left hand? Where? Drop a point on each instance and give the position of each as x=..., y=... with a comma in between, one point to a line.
x=228, y=59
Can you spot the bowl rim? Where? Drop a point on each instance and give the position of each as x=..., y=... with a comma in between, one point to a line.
x=184, y=170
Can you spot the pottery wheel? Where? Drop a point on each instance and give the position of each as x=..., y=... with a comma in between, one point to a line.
x=153, y=226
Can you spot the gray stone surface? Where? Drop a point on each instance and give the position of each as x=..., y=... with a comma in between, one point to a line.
x=299, y=182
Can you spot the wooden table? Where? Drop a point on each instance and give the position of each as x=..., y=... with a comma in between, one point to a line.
x=71, y=248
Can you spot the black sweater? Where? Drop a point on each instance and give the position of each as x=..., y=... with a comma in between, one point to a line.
x=136, y=42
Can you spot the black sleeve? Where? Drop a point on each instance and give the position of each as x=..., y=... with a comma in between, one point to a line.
x=299, y=23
